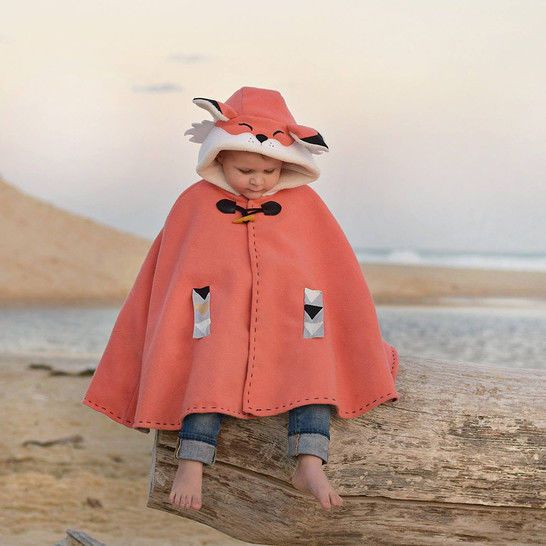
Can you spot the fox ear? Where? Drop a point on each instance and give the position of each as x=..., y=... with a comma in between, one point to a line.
x=308, y=137
x=218, y=110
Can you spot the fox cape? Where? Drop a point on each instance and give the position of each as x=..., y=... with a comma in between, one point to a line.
x=246, y=307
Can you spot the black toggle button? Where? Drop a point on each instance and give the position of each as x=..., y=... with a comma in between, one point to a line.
x=228, y=206
x=271, y=208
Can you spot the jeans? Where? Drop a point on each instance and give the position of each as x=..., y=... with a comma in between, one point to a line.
x=308, y=432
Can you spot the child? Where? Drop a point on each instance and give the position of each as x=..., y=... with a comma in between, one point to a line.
x=250, y=302
x=252, y=175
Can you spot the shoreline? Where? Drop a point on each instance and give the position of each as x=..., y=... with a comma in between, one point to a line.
x=389, y=284
x=440, y=301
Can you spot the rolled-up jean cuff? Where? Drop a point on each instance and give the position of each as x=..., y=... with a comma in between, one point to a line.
x=195, y=450
x=309, y=443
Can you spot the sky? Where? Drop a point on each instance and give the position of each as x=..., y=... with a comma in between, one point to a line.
x=434, y=112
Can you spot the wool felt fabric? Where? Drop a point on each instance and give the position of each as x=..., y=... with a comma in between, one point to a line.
x=247, y=307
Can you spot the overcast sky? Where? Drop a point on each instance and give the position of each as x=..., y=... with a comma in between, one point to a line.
x=434, y=111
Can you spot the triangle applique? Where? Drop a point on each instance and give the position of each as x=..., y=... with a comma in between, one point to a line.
x=312, y=327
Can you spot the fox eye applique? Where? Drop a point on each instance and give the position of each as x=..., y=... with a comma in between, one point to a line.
x=274, y=133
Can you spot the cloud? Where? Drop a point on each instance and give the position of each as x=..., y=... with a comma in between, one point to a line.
x=187, y=58
x=166, y=87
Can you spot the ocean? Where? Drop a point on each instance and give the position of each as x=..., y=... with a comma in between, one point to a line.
x=483, y=260
x=507, y=336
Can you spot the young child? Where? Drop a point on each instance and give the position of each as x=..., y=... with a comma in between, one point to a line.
x=249, y=303
x=252, y=175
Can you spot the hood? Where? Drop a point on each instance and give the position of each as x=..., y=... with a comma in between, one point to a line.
x=256, y=120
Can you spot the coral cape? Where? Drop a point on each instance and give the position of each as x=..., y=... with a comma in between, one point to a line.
x=247, y=318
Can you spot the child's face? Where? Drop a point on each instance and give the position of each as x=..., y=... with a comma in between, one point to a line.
x=249, y=173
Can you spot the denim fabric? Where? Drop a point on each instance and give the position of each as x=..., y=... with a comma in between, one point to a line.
x=308, y=432
x=200, y=434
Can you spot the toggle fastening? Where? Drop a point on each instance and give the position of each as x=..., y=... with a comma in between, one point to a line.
x=228, y=206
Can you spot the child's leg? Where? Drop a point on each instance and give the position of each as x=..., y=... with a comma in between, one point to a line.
x=198, y=437
x=309, y=430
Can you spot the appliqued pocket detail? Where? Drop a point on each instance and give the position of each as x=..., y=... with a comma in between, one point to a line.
x=313, y=313
x=201, y=311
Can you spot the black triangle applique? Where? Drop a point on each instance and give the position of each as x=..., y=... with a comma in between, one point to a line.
x=312, y=310
x=203, y=292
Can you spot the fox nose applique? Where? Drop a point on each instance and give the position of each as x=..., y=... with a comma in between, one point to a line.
x=261, y=137
x=228, y=206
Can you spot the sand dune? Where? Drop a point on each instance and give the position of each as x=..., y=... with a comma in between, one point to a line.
x=49, y=254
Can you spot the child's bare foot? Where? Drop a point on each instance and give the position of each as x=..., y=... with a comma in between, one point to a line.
x=186, y=489
x=309, y=477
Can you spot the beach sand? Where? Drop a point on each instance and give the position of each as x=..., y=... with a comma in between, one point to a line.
x=46, y=490
x=416, y=284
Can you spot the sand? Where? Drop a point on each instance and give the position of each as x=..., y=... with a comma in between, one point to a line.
x=46, y=490
x=48, y=254
x=416, y=284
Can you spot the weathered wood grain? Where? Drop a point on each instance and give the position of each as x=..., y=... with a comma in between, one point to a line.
x=78, y=538
x=460, y=458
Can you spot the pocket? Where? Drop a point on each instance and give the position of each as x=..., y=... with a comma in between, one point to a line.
x=201, y=311
x=313, y=313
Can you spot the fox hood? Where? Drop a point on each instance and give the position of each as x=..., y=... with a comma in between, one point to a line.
x=246, y=307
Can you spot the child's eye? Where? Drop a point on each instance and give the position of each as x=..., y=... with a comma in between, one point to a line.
x=249, y=170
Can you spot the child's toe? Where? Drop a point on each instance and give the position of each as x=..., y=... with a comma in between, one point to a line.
x=336, y=499
x=325, y=500
x=326, y=505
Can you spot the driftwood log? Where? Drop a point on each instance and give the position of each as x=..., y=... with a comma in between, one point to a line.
x=459, y=458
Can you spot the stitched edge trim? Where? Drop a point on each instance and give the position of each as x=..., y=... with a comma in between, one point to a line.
x=120, y=419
